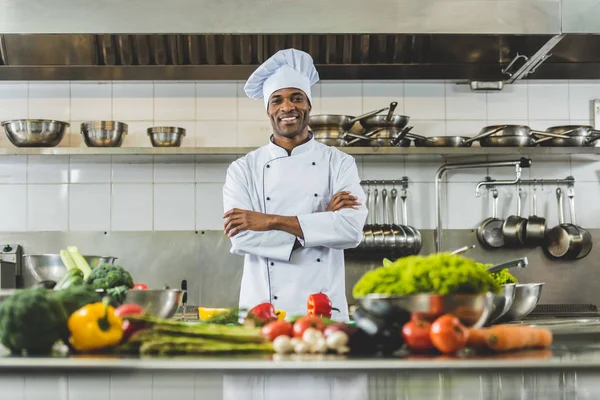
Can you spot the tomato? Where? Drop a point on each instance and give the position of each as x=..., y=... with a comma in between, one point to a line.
x=129, y=309
x=416, y=335
x=275, y=329
x=448, y=335
x=140, y=286
x=416, y=316
x=304, y=323
x=131, y=327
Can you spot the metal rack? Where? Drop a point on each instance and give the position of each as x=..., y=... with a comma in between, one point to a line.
x=401, y=182
x=490, y=183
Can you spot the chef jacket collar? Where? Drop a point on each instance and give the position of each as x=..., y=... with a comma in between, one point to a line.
x=278, y=151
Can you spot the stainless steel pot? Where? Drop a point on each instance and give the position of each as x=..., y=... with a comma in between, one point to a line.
x=565, y=240
x=489, y=233
x=574, y=141
x=413, y=236
x=399, y=231
x=514, y=226
x=586, y=242
x=535, y=229
x=397, y=122
x=573, y=130
x=343, y=122
x=35, y=132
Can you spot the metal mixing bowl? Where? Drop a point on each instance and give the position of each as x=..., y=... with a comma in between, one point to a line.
x=49, y=267
x=158, y=303
x=35, y=132
x=502, y=302
x=527, y=296
x=103, y=133
x=473, y=310
x=166, y=136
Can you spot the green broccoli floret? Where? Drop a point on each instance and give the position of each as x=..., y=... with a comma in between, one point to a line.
x=440, y=273
x=31, y=321
x=118, y=294
x=107, y=276
x=75, y=297
x=501, y=277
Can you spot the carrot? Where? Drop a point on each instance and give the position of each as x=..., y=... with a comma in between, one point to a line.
x=515, y=337
x=477, y=339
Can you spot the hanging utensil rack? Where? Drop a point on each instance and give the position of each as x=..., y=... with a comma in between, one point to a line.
x=403, y=183
x=490, y=183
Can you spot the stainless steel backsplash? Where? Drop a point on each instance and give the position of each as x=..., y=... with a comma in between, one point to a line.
x=213, y=274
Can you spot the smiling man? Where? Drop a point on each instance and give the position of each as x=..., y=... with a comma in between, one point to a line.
x=293, y=205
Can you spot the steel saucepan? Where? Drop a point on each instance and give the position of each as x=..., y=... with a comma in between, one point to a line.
x=399, y=231
x=344, y=122
x=565, y=240
x=515, y=130
x=573, y=130
x=535, y=229
x=489, y=233
x=574, y=141
x=586, y=242
x=514, y=226
x=452, y=141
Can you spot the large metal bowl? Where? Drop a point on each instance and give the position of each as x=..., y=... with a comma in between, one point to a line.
x=103, y=133
x=166, y=136
x=502, y=302
x=527, y=296
x=158, y=303
x=473, y=310
x=35, y=132
x=49, y=267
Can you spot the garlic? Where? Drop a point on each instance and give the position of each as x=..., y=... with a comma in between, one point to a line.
x=311, y=336
x=301, y=348
x=337, y=340
x=282, y=344
x=319, y=346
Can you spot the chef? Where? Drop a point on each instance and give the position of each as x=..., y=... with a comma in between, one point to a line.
x=293, y=205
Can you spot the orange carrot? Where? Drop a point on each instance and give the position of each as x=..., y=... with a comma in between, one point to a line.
x=477, y=339
x=516, y=337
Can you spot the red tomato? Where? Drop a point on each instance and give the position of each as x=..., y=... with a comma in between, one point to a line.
x=140, y=286
x=129, y=309
x=416, y=335
x=304, y=323
x=448, y=335
x=276, y=328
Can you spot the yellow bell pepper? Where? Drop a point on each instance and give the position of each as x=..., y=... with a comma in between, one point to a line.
x=280, y=315
x=208, y=313
x=95, y=326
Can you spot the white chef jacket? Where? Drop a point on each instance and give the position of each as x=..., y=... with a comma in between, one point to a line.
x=271, y=181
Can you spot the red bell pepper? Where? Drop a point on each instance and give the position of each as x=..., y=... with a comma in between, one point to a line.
x=262, y=314
x=319, y=305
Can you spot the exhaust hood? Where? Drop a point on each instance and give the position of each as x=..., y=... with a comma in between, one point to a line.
x=351, y=39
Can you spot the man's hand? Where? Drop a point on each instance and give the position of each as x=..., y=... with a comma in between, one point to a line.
x=237, y=220
x=343, y=200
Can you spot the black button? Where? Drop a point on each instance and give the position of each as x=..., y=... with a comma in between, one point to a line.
x=7, y=248
x=272, y=263
x=268, y=198
x=268, y=166
x=274, y=297
x=318, y=260
x=314, y=163
x=316, y=195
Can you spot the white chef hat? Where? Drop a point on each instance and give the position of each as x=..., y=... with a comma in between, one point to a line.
x=288, y=68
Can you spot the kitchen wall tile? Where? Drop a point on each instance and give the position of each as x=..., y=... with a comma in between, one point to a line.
x=428, y=128
x=89, y=207
x=131, y=207
x=586, y=204
x=89, y=386
x=48, y=169
x=137, y=134
x=380, y=94
x=174, y=206
x=254, y=134
x=547, y=206
x=424, y=100
x=175, y=101
x=13, y=100
x=581, y=96
x=216, y=133
x=464, y=128
x=91, y=101
x=47, y=207
x=507, y=200
x=133, y=101
x=249, y=109
x=510, y=102
x=12, y=387
x=14, y=199
x=421, y=171
x=216, y=101
x=420, y=205
x=73, y=137
x=90, y=169
x=211, y=172
x=461, y=196
x=343, y=98
x=560, y=168
x=135, y=169
x=189, y=140
x=585, y=171
x=46, y=387
x=13, y=169
x=130, y=386
x=387, y=170
x=548, y=101
x=463, y=104
x=542, y=125
x=174, y=169
x=209, y=206
x=170, y=385
x=472, y=176
x=49, y=100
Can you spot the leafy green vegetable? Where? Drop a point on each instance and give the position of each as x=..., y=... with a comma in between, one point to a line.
x=501, y=277
x=118, y=294
x=31, y=321
x=75, y=297
x=441, y=273
x=107, y=276
x=72, y=277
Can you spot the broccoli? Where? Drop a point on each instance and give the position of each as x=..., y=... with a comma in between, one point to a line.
x=31, y=321
x=108, y=276
x=75, y=297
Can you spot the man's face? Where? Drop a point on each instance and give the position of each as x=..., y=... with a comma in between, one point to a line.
x=288, y=111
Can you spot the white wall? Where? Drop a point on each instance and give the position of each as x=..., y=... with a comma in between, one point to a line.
x=152, y=193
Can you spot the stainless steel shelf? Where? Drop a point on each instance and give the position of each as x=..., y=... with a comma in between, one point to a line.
x=415, y=153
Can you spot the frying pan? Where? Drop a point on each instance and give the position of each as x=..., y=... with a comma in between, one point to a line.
x=344, y=122
x=378, y=242
x=389, y=239
x=489, y=232
x=515, y=130
x=514, y=226
x=586, y=244
x=400, y=233
x=452, y=141
x=573, y=141
x=416, y=244
x=368, y=229
x=535, y=229
x=564, y=240
x=573, y=130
